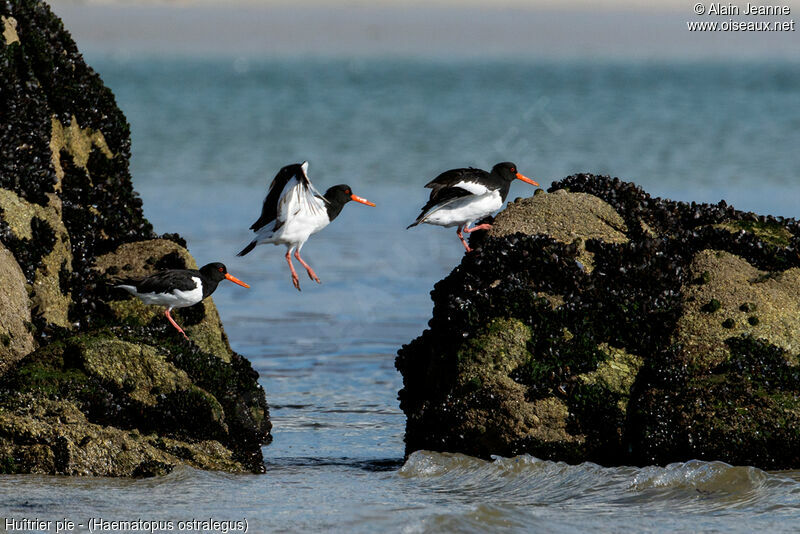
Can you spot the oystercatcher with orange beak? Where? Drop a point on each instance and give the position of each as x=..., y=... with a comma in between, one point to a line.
x=178, y=288
x=293, y=210
x=461, y=196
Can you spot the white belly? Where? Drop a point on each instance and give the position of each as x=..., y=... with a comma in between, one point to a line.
x=174, y=299
x=296, y=230
x=466, y=210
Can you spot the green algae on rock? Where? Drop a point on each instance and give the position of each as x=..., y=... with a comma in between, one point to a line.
x=734, y=285
x=93, y=382
x=531, y=350
x=57, y=438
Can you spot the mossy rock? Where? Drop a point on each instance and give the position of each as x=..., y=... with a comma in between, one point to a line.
x=139, y=370
x=38, y=238
x=142, y=258
x=71, y=220
x=616, y=374
x=564, y=216
x=16, y=339
x=131, y=385
x=678, y=341
x=501, y=349
x=770, y=232
x=737, y=287
x=745, y=410
x=497, y=414
x=54, y=437
x=493, y=407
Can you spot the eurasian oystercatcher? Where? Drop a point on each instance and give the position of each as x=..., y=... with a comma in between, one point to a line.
x=461, y=196
x=293, y=210
x=178, y=288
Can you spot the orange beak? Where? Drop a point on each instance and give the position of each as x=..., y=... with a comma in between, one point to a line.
x=526, y=179
x=362, y=200
x=236, y=280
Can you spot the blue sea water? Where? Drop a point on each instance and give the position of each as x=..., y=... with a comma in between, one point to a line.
x=209, y=135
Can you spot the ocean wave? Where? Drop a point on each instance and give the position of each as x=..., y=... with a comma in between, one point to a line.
x=702, y=476
x=528, y=480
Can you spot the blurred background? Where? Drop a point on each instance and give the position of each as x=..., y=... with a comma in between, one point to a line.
x=642, y=29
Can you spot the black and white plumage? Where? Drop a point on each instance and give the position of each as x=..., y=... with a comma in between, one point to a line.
x=178, y=288
x=294, y=210
x=461, y=196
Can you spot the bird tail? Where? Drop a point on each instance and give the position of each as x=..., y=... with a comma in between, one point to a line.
x=248, y=248
x=127, y=287
x=420, y=219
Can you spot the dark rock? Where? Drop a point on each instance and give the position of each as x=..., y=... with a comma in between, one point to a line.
x=91, y=380
x=597, y=334
x=711, y=306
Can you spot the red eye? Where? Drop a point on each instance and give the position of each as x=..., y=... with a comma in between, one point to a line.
x=513, y=169
x=220, y=269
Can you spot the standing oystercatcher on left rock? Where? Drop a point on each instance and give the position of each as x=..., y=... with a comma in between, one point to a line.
x=461, y=196
x=178, y=288
x=293, y=210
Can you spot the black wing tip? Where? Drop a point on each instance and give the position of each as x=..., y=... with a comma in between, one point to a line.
x=412, y=225
x=247, y=249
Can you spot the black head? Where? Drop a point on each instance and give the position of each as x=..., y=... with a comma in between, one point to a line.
x=508, y=172
x=216, y=272
x=339, y=195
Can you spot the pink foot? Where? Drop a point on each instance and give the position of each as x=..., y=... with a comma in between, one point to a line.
x=295, y=279
x=485, y=226
x=311, y=273
x=461, y=237
x=171, y=320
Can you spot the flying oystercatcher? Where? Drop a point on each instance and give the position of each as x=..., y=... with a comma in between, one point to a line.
x=293, y=210
x=178, y=288
x=461, y=196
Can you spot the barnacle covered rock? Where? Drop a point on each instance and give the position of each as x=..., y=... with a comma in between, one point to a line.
x=597, y=323
x=92, y=381
x=55, y=436
x=741, y=293
x=16, y=340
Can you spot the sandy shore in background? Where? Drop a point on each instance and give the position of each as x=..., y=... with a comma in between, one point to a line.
x=391, y=27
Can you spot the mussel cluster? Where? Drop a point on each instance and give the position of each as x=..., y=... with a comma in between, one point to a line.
x=630, y=299
x=50, y=98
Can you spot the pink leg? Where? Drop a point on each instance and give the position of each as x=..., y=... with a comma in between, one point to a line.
x=295, y=279
x=311, y=273
x=461, y=237
x=479, y=227
x=171, y=320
